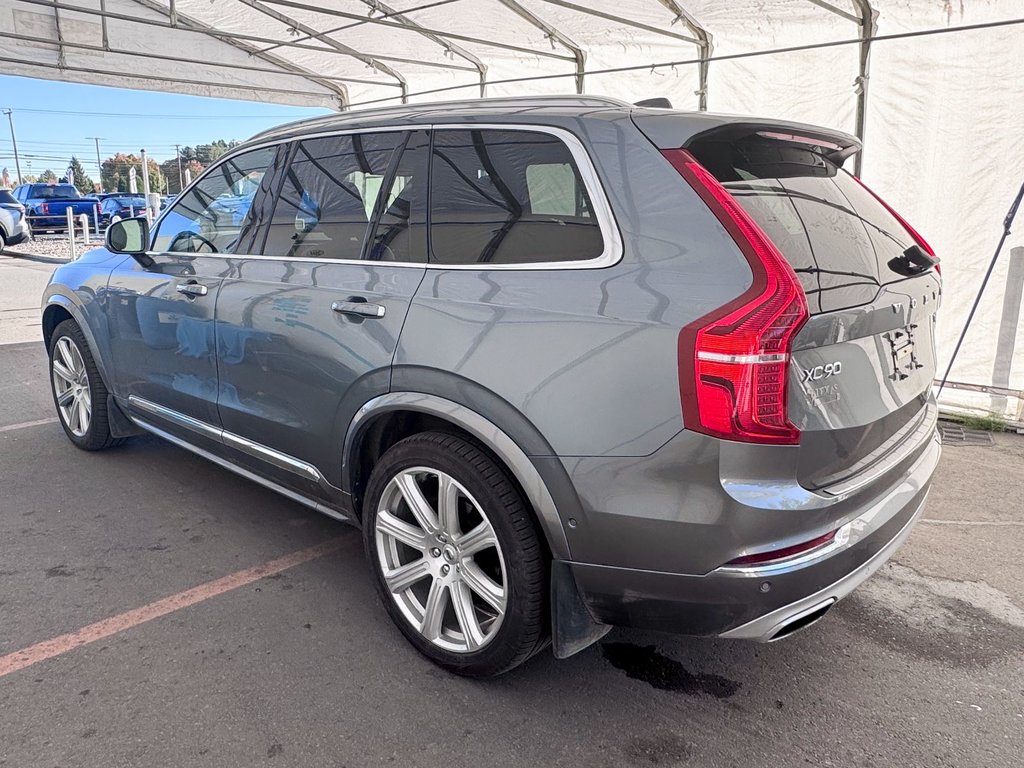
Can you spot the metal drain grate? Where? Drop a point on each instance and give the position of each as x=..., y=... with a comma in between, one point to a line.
x=957, y=434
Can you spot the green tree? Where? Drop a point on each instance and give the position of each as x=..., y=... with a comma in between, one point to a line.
x=48, y=177
x=82, y=180
x=114, y=173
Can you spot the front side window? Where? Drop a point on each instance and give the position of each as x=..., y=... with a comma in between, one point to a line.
x=215, y=215
x=508, y=197
x=329, y=195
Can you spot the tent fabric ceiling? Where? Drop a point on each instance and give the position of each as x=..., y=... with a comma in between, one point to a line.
x=941, y=124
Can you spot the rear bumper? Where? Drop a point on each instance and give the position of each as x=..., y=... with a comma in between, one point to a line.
x=759, y=603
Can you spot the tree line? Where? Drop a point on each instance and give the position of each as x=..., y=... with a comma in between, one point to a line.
x=164, y=177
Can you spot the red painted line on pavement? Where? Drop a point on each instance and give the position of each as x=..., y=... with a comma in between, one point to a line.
x=56, y=646
x=24, y=424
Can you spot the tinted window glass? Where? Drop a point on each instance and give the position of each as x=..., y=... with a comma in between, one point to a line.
x=836, y=236
x=215, y=215
x=50, y=192
x=6, y=197
x=328, y=196
x=401, y=231
x=508, y=197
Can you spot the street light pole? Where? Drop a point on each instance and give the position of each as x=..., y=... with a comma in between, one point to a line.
x=14, y=141
x=99, y=165
x=181, y=178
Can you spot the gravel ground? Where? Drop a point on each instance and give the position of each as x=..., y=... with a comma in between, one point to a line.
x=49, y=246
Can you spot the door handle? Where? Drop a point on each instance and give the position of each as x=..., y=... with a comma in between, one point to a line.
x=192, y=289
x=359, y=308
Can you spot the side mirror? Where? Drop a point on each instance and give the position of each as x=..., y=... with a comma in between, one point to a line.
x=130, y=236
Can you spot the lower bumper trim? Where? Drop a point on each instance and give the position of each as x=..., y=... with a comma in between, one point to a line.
x=770, y=626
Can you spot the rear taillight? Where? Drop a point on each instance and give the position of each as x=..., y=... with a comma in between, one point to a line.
x=838, y=537
x=45, y=208
x=914, y=234
x=734, y=361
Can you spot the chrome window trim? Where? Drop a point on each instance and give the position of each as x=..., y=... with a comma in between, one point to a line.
x=610, y=236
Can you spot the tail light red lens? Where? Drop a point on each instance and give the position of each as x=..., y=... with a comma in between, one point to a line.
x=45, y=208
x=914, y=234
x=734, y=361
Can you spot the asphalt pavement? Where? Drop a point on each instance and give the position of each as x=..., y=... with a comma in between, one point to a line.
x=233, y=662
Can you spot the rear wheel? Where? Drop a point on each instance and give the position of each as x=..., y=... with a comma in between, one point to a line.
x=456, y=555
x=78, y=391
x=3, y=241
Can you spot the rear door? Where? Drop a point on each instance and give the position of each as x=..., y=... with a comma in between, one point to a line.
x=865, y=360
x=307, y=326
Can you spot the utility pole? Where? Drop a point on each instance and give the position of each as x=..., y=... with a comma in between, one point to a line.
x=99, y=165
x=181, y=178
x=14, y=141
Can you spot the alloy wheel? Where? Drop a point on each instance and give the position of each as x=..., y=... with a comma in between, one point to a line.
x=71, y=386
x=441, y=559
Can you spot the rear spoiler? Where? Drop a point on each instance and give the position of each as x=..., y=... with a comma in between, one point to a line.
x=671, y=130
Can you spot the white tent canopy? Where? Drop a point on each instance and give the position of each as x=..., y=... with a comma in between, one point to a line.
x=941, y=121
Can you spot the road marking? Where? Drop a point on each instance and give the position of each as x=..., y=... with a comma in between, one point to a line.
x=26, y=424
x=974, y=522
x=57, y=646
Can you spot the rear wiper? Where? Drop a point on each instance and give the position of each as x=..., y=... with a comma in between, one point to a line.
x=912, y=261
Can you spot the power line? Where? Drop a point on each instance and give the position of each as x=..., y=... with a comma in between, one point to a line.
x=154, y=116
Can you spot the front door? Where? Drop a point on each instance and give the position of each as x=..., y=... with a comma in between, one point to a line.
x=307, y=331
x=161, y=315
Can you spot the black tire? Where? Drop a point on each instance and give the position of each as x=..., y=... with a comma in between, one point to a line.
x=3, y=241
x=523, y=629
x=97, y=436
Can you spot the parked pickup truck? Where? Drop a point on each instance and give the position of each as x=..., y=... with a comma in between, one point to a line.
x=46, y=205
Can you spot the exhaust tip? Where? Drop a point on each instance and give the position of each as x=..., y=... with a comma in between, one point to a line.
x=801, y=621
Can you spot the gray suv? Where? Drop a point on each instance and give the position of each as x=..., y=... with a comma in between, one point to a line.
x=567, y=362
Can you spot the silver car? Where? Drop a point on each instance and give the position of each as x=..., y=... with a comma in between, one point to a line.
x=568, y=363
x=14, y=227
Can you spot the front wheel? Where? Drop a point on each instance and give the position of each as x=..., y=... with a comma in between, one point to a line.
x=78, y=391
x=456, y=555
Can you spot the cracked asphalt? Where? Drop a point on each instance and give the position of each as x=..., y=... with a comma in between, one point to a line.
x=921, y=666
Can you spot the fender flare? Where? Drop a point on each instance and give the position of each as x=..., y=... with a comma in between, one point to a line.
x=518, y=462
x=72, y=306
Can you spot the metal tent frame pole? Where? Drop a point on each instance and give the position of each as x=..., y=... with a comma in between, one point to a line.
x=448, y=45
x=705, y=48
x=553, y=34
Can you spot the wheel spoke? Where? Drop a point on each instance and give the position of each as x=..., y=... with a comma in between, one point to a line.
x=65, y=398
x=478, y=539
x=63, y=371
x=418, y=504
x=462, y=602
x=66, y=357
x=478, y=581
x=433, y=614
x=403, y=577
x=410, y=535
x=448, y=505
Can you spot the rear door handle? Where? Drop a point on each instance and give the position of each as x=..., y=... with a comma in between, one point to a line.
x=192, y=289
x=359, y=308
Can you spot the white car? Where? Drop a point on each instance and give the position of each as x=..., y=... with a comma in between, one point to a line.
x=13, y=224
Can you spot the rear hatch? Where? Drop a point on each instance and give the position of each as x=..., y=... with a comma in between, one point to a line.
x=862, y=365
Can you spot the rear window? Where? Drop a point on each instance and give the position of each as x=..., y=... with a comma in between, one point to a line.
x=836, y=236
x=7, y=197
x=508, y=197
x=49, y=192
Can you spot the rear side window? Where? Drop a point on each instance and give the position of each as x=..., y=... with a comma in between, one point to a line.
x=508, y=197
x=7, y=197
x=836, y=236
x=328, y=196
x=400, y=233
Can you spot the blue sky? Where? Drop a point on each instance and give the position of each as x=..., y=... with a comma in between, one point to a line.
x=52, y=120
